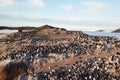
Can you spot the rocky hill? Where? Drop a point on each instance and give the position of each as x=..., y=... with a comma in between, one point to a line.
x=58, y=54
x=117, y=31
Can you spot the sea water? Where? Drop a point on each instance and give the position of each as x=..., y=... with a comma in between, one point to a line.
x=8, y=31
x=117, y=35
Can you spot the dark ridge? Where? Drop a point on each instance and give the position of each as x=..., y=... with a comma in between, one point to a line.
x=117, y=30
x=100, y=30
x=30, y=28
x=16, y=28
x=47, y=27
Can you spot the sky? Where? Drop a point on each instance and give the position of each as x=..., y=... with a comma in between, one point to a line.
x=69, y=14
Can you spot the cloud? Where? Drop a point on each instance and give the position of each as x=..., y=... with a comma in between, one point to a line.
x=36, y=3
x=17, y=16
x=115, y=21
x=93, y=6
x=67, y=7
x=5, y=3
x=36, y=18
x=26, y=3
x=70, y=19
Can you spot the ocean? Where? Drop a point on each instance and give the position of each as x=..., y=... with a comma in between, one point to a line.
x=8, y=31
x=117, y=35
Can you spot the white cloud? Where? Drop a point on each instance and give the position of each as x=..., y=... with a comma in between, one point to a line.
x=17, y=16
x=93, y=6
x=4, y=3
x=67, y=20
x=26, y=3
x=70, y=19
x=67, y=7
x=36, y=3
x=73, y=19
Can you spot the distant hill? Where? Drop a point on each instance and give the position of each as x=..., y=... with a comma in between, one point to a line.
x=20, y=29
x=117, y=30
x=100, y=30
x=47, y=27
x=16, y=28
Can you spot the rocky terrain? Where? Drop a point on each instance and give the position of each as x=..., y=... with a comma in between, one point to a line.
x=117, y=30
x=59, y=54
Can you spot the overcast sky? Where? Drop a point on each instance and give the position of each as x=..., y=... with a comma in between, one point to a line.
x=69, y=14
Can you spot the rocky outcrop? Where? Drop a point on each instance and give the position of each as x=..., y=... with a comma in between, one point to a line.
x=12, y=70
x=117, y=31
